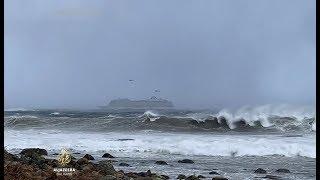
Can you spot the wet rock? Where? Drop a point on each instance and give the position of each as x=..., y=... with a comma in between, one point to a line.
x=125, y=139
x=148, y=173
x=32, y=151
x=260, y=171
x=282, y=170
x=161, y=163
x=9, y=157
x=88, y=156
x=33, y=159
x=108, y=177
x=120, y=175
x=271, y=177
x=83, y=161
x=186, y=161
x=88, y=167
x=52, y=162
x=142, y=174
x=124, y=164
x=200, y=176
x=214, y=172
x=106, y=168
x=181, y=176
x=107, y=155
x=165, y=177
x=193, y=177
x=132, y=175
x=219, y=178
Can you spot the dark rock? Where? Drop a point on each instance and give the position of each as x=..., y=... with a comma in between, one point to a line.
x=88, y=167
x=186, y=161
x=282, y=170
x=31, y=151
x=88, y=156
x=271, y=177
x=193, y=177
x=260, y=171
x=107, y=155
x=83, y=161
x=148, y=173
x=125, y=139
x=214, y=172
x=52, y=162
x=9, y=157
x=181, y=176
x=161, y=163
x=219, y=178
x=142, y=174
x=124, y=164
x=106, y=168
x=132, y=175
x=165, y=177
x=200, y=176
x=108, y=177
x=33, y=159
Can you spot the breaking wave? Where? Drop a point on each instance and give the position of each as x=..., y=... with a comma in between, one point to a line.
x=263, y=119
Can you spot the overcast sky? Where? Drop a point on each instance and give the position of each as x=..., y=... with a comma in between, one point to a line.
x=199, y=54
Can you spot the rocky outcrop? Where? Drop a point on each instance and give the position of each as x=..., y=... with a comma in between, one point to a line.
x=107, y=155
x=282, y=170
x=161, y=163
x=186, y=161
x=260, y=171
x=33, y=151
x=31, y=165
x=88, y=156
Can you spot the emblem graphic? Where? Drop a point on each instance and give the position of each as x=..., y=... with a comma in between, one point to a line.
x=64, y=157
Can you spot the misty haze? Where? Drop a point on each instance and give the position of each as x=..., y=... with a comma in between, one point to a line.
x=198, y=54
x=179, y=89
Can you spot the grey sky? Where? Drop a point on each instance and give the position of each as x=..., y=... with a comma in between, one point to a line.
x=200, y=54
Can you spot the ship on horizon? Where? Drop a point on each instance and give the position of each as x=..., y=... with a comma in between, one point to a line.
x=152, y=103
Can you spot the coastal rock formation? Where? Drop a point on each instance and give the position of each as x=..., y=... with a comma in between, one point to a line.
x=124, y=164
x=33, y=151
x=214, y=172
x=88, y=156
x=181, y=176
x=107, y=155
x=161, y=163
x=282, y=170
x=31, y=165
x=260, y=171
x=186, y=161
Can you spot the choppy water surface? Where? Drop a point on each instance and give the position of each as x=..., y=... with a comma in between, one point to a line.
x=233, y=143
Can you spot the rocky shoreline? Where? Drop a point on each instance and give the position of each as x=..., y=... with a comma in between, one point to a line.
x=32, y=163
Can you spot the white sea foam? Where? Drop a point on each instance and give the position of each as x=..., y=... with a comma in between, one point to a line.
x=151, y=142
x=22, y=117
x=151, y=115
x=55, y=113
x=18, y=109
x=263, y=114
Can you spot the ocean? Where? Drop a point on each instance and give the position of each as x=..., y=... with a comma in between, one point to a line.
x=232, y=143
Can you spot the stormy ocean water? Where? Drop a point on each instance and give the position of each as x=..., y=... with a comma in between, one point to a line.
x=231, y=143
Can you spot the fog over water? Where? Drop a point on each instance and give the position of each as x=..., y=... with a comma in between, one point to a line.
x=199, y=54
